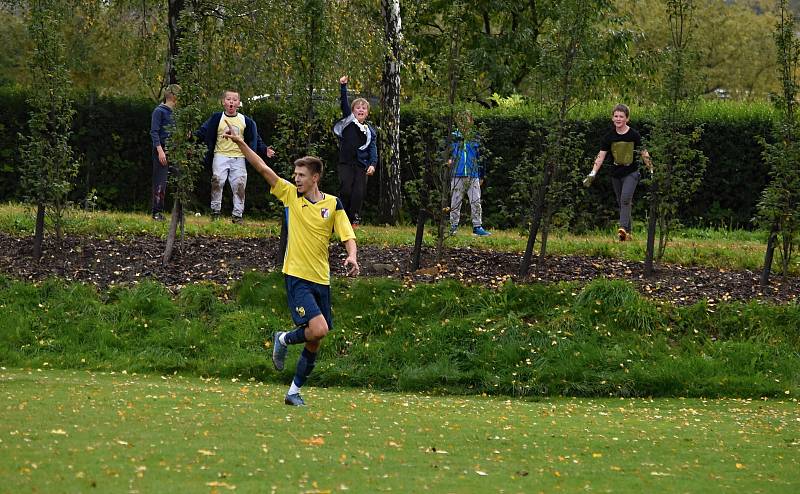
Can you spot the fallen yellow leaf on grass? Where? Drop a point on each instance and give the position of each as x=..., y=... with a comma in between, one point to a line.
x=740, y=466
x=206, y=452
x=60, y=432
x=221, y=484
x=314, y=441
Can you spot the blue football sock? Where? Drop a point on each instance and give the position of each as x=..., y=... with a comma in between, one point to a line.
x=295, y=336
x=305, y=364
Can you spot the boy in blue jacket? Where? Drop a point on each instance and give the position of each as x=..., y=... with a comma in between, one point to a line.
x=358, y=152
x=162, y=123
x=226, y=159
x=467, y=176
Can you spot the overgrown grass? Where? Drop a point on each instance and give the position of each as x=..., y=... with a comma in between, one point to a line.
x=77, y=431
x=602, y=340
x=714, y=248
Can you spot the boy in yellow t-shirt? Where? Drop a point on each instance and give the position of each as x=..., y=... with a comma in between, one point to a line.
x=226, y=160
x=312, y=216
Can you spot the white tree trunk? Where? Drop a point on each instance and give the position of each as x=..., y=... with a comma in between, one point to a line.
x=390, y=198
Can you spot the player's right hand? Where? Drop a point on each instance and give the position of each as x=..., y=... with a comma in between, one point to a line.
x=344, y=79
x=232, y=134
x=588, y=180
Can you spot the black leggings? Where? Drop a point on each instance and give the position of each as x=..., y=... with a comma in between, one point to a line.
x=352, y=185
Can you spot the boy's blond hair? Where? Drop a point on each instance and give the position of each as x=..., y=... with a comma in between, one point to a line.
x=171, y=90
x=464, y=119
x=226, y=91
x=359, y=100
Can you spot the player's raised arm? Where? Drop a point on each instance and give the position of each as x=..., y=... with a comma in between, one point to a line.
x=254, y=159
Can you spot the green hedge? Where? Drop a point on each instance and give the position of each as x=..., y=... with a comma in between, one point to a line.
x=111, y=136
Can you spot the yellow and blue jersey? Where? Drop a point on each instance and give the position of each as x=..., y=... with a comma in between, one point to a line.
x=310, y=225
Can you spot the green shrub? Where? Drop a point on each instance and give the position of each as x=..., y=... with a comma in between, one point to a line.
x=112, y=140
x=521, y=340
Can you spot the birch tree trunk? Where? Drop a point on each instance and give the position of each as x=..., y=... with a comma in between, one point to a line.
x=390, y=198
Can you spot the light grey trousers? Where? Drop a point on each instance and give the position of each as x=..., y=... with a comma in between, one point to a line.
x=624, y=187
x=472, y=187
x=234, y=171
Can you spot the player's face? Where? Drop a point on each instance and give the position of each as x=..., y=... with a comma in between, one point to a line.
x=231, y=103
x=304, y=179
x=620, y=119
x=360, y=110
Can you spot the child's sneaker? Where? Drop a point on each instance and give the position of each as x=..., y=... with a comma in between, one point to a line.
x=480, y=232
x=237, y=220
x=453, y=229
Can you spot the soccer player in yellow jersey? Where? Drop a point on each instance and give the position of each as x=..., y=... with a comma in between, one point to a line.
x=311, y=217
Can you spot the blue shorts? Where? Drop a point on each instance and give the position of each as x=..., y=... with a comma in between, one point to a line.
x=307, y=300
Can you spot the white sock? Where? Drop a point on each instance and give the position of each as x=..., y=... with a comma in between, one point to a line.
x=293, y=389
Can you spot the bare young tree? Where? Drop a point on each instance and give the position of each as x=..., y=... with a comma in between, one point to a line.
x=568, y=71
x=779, y=207
x=50, y=166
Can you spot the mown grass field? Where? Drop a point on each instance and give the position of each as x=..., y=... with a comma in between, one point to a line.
x=79, y=431
x=723, y=249
x=514, y=389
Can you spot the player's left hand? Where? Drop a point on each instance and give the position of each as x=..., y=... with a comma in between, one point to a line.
x=270, y=152
x=353, y=269
x=370, y=170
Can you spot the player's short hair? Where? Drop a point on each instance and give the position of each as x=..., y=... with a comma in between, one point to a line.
x=171, y=90
x=313, y=164
x=226, y=91
x=359, y=100
x=623, y=108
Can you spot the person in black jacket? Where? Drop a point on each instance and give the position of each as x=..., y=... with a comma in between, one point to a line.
x=358, y=152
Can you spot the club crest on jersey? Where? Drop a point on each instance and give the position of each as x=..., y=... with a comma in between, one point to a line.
x=325, y=212
x=301, y=311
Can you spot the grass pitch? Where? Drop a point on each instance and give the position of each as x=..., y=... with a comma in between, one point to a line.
x=76, y=431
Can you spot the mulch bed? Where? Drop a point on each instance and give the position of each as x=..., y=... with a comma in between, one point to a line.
x=105, y=262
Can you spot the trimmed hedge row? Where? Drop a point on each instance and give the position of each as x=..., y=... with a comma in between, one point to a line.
x=111, y=136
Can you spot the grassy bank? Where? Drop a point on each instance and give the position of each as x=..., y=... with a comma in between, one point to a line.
x=721, y=249
x=604, y=340
x=76, y=431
